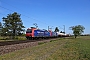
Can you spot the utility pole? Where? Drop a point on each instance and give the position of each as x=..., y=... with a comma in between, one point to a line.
x=35, y=25
x=48, y=28
x=64, y=29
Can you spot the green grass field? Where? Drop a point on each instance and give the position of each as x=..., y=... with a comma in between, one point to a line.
x=62, y=49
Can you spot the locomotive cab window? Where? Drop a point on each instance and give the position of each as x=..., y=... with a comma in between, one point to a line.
x=29, y=31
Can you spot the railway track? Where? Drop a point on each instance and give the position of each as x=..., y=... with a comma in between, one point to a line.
x=20, y=41
x=15, y=42
x=10, y=46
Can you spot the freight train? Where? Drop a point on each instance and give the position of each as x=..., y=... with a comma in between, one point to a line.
x=33, y=33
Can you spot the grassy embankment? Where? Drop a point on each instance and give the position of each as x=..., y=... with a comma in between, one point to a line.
x=7, y=38
x=62, y=49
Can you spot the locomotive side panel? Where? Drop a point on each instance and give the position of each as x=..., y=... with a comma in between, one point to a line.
x=38, y=33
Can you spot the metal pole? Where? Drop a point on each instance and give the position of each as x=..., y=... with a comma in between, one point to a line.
x=48, y=28
x=64, y=29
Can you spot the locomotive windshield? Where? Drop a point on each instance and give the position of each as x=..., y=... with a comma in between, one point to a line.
x=29, y=31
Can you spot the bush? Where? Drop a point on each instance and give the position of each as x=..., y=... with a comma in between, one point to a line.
x=41, y=43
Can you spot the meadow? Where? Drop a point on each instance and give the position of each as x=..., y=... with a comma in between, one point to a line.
x=60, y=49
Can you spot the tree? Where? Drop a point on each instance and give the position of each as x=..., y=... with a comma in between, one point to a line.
x=12, y=25
x=62, y=32
x=77, y=30
x=1, y=28
x=56, y=29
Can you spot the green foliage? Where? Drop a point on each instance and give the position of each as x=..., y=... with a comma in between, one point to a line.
x=53, y=40
x=12, y=25
x=56, y=29
x=4, y=38
x=77, y=30
x=41, y=43
x=20, y=38
x=62, y=32
x=8, y=38
x=1, y=28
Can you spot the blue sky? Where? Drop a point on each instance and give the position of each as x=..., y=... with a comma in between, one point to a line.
x=53, y=13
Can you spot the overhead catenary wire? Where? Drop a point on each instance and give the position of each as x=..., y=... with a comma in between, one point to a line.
x=22, y=14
